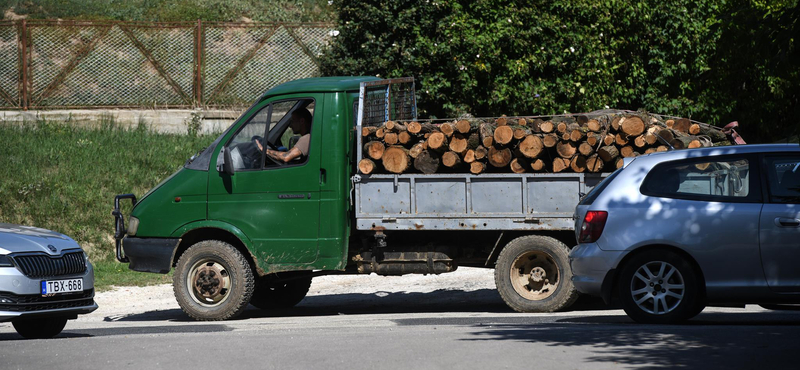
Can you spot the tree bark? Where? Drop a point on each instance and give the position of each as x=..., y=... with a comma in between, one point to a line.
x=682, y=125
x=608, y=153
x=427, y=162
x=486, y=132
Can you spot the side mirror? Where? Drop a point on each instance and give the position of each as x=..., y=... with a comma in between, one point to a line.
x=227, y=163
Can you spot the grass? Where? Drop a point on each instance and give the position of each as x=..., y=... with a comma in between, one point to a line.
x=64, y=178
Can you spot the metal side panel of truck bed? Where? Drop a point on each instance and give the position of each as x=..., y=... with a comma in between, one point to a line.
x=535, y=201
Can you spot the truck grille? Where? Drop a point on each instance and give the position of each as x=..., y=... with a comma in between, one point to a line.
x=35, y=302
x=42, y=265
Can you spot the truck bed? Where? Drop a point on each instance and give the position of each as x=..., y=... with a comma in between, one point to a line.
x=535, y=201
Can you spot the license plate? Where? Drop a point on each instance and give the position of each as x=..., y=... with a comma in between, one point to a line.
x=62, y=286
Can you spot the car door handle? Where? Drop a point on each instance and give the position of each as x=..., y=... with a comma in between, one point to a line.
x=787, y=222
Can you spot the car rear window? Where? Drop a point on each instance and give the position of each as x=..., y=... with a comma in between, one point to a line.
x=718, y=179
x=589, y=198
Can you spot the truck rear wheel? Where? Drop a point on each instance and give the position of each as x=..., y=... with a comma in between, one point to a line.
x=532, y=274
x=272, y=294
x=213, y=281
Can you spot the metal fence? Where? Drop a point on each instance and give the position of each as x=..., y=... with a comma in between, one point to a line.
x=77, y=64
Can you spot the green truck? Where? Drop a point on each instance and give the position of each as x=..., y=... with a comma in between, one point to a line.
x=240, y=226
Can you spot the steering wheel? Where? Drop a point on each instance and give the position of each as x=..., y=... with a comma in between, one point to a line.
x=257, y=139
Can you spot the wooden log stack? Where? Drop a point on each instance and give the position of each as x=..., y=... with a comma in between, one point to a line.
x=594, y=142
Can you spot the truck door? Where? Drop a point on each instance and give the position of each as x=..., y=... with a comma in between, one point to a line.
x=779, y=230
x=275, y=204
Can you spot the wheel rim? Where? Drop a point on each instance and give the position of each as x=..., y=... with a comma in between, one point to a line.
x=657, y=288
x=209, y=282
x=534, y=275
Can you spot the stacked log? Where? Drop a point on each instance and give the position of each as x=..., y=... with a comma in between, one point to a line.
x=566, y=143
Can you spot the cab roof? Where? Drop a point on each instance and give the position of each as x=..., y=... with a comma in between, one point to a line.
x=319, y=84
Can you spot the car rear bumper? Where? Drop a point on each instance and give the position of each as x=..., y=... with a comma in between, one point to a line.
x=150, y=254
x=591, y=267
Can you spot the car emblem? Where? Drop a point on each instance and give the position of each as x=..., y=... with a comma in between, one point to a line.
x=52, y=248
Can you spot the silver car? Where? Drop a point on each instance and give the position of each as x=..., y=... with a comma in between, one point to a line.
x=672, y=232
x=45, y=280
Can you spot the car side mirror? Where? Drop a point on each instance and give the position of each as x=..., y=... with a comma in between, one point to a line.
x=227, y=162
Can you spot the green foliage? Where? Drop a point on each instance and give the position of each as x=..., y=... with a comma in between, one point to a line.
x=64, y=178
x=175, y=10
x=491, y=57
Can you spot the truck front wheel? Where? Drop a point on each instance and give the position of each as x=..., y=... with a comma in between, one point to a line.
x=532, y=274
x=213, y=281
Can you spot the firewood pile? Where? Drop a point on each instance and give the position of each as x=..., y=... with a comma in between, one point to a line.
x=595, y=142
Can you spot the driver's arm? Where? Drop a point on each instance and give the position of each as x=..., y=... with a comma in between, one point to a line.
x=285, y=157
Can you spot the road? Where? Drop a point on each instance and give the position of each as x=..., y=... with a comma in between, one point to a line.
x=438, y=329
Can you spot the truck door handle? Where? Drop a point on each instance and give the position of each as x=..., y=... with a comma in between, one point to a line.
x=787, y=222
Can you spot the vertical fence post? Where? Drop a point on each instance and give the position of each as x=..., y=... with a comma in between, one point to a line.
x=23, y=64
x=198, y=64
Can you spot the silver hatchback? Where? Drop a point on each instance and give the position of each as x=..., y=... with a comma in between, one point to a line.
x=45, y=280
x=672, y=232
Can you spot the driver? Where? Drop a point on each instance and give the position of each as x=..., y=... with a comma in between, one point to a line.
x=301, y=125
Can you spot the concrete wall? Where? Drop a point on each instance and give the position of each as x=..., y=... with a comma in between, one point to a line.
x=161, y=120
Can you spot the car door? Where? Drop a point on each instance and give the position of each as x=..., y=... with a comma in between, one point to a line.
x=275, y=205
x=779, y=231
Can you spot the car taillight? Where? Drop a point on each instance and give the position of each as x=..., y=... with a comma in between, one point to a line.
x=592, y=227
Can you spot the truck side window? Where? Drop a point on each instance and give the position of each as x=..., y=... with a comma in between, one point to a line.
x=290, y=129
x=245, y=144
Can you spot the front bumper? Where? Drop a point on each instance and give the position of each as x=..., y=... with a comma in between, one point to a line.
x=150, y=254
x=592, y=269
x=21, y=296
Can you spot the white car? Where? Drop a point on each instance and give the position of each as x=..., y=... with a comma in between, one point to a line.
x=45, y=280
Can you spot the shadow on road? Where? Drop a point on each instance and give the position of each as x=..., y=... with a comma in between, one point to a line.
x=484, y=300
x=748, y=340
x=103, y=332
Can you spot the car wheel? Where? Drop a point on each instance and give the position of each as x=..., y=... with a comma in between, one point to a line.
x=40, y=328
x=532, y=274
x=272, y=294
x=213, y=281
x=659, y=287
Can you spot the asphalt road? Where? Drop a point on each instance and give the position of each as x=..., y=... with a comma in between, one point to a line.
x=470, y=330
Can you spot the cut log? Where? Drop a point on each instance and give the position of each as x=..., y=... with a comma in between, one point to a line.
x=458, y=144
x=521, y=131
x=686, y=142
x=585, y=149
x=419, y=128
x=593, y=139
x=469, y=156
x=437, y=141
x=546, y=127
x=395, y=126
x=561, y=127
x=640, y=141
x=537, y=165
x=608, y=153
x=627, y=151
x=390, y=138
x=519, y=165
x=615, y=123
x=650, y=150
x=619, y=162
x=451, y=159
x=486, y=132
x=380, y=132
x=666, y=135
x=578, y=164
x=560, y=164
x=366, y=166
x=368, y=130
x=594, y=125
x=463, y=126
x=427, y=162
x=565, y=136
x=477, y=167
x=550, y=140
x=566, y=149
x=396, y=159
x=531, y=146
x=501, y=121
x=374, y=150
x=447, y=129
x=650, y=139
x=620, y=139
x=670, y=123
x=503, y=135
x=682, y=125
x=473, y=141
x=594, y=164
x=609, y=139
x=417, y=149
x=694, y=129
x=481, y=152
x=404, y=137
x=632, y=126
x=499, y=157
x=577, y=134
x=662, y=148
x=714, y=133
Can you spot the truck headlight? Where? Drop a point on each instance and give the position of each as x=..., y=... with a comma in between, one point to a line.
x=5, y=261
x=133, y=226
